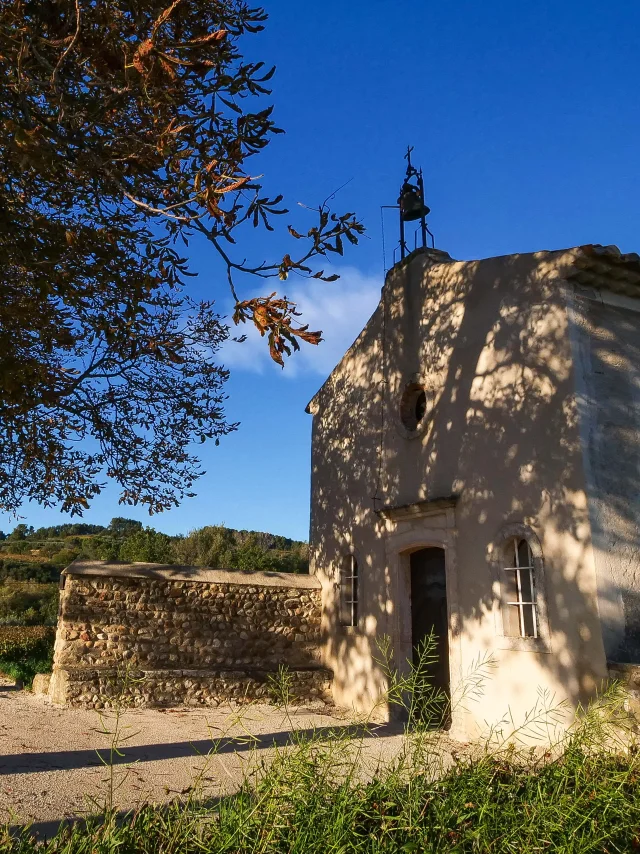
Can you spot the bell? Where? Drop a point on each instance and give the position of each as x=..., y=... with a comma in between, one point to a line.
x=412, y=207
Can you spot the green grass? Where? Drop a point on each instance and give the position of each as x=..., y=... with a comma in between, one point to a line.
x=25, y=651
x=579, y=795
x=582, y=802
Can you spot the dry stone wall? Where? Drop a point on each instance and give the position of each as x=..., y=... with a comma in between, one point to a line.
x=99, y=688
x=184, y=635
x=628, y=675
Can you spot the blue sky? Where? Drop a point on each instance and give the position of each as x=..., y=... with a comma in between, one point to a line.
x=526, y=121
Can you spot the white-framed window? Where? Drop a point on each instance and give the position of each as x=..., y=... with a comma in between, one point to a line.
x=521, y=618
x=349, y=591
x=520, y=615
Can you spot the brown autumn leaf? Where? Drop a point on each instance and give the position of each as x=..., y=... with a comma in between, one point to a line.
x=168, y=68
x=261, y=318
x=164, y=16
x=141, y=54
x=234, y=186
x=217, y=36
x=213, y=208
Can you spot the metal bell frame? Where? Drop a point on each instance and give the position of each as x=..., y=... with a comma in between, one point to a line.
x=411, y=202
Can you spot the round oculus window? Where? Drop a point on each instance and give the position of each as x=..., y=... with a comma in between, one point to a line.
x=413, y=406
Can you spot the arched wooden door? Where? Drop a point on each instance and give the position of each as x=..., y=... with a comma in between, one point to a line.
x=429, y=612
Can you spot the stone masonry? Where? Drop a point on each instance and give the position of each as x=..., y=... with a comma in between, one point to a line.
x=628, y=675
x=174, y=635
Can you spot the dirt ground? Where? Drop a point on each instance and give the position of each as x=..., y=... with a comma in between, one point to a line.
x=50, y=769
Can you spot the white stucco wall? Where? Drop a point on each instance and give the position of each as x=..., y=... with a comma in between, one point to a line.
x=606, y=339
x=489, y=341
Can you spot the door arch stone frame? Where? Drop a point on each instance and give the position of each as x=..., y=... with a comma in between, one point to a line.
x=402, y=537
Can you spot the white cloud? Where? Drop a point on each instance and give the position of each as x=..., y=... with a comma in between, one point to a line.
x=340, y=309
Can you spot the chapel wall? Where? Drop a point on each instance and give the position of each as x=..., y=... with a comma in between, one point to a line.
x=503, y=436
x=489, y=342
x=607, y=354
x=347, y=432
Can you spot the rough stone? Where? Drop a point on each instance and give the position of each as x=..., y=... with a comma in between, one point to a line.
x=139, y=637
x=41, y=683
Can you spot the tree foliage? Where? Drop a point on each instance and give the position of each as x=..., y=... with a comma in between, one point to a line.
x=66, y=529
x=126, y=129
x=49, y=550
x=149, y=546
x=224, y=548
x=121, y=527
x=21, y=532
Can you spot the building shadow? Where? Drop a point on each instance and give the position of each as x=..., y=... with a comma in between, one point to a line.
x=70, y=760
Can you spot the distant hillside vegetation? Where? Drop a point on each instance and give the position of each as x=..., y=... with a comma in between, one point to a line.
x=39, y=555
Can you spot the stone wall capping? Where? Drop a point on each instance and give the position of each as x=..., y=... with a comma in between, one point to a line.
x=196, y=574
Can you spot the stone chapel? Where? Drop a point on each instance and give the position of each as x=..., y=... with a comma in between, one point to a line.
x=476, y=472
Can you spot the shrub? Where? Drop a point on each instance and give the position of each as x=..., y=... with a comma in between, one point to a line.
x=27, y=603
x=51, y=549
x=24, y=640
x=28, y=570
x=25, y=651
x=100, y=547
x=224, y=548
x=19, y=547
x=208, y=546
x=64, y=557
x=149, y=546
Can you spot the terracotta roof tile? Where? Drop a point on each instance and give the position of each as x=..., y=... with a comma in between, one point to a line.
x=606, y=268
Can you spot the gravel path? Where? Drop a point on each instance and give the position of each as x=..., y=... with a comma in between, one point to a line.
x=50, y=771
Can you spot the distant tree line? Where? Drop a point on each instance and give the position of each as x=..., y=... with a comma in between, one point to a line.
x=28, y=554
x=118, y=527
